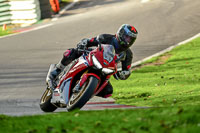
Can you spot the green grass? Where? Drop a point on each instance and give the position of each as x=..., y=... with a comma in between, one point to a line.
x=154, y=120
x=176, y=82
x=67, y=0
x=171, y=89
x=6, y=32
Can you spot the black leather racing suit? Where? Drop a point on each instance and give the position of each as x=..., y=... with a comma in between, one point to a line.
x=73, y=53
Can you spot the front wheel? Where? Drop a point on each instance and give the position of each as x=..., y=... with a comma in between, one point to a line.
x=45, y=101
x=78, y=100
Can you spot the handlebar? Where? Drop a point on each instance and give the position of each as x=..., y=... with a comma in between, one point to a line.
x=88, y=50
x=85, y=50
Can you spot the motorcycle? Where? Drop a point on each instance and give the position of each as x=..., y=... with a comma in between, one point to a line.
x=84, y=78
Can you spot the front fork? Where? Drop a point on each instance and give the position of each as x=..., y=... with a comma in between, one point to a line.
x=98, y=88
x=86, y=76
x=103, y=85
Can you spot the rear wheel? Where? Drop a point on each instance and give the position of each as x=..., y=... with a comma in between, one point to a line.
x=78, y=100
x=45, y=102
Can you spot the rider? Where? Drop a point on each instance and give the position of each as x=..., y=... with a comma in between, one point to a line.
x=122, y=40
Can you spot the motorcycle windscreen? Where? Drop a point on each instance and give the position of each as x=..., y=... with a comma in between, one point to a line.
x=108, y=53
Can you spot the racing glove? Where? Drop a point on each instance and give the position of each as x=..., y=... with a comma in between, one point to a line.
x=122, y=75
x=83, y=44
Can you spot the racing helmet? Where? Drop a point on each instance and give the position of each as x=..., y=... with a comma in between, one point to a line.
x=126, y=35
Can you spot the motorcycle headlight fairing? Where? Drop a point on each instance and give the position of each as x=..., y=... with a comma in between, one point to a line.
x=107, y=71
x=96, y=62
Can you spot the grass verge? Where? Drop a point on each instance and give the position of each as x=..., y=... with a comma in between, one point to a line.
x=169, y=82
x=5, y=32
x=153, y=120
x=67, y=0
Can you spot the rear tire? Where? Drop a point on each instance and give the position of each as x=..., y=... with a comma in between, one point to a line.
x=84, y=95
x=45, y=102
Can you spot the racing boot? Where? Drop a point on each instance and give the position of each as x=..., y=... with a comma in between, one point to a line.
x=56, y=71
x=68, y=57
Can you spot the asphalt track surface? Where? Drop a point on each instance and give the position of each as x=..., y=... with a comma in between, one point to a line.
x=25, y=58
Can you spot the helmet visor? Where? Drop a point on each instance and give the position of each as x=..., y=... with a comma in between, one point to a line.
x=129, y=40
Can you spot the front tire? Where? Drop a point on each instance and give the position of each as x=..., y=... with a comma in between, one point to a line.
x=45, y=101
x=80, y=99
